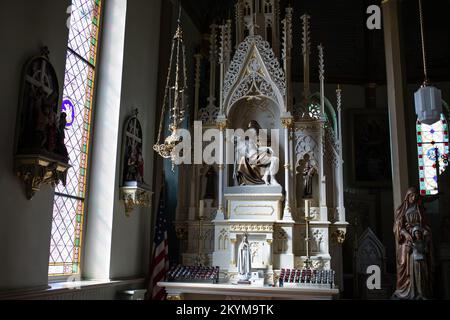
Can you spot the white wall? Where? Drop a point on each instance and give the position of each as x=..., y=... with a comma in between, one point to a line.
x=25, y=226
x=101, y=193
x=131, y=241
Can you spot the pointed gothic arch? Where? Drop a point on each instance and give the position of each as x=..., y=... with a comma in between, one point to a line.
x=254, y=71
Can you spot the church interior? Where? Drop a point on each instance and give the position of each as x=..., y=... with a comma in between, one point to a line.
x=225, y=150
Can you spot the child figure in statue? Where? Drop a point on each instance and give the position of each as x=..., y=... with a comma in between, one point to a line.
x=419, y=245
x=419, y=266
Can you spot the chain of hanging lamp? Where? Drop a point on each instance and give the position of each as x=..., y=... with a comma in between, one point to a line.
x=174, y=97
x=424, y=53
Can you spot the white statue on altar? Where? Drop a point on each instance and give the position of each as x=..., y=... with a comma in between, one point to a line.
x=255, y=163
x=244, y=261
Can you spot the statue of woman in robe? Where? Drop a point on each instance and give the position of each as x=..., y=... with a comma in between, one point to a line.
x=414, y=249
x=257, y=164
x=244, y=261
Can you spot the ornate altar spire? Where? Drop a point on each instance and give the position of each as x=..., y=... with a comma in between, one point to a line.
x=339, y=98
x=225, y=56
x=287, y=54
x=209, y=113
x=252, y=26
x=258, y=18
x=322, y=79
x=225, y=47
x=212, y=61
x=306, y=51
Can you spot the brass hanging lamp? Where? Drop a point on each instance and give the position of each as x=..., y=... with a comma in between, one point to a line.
x=174, y=98
x=428, y=99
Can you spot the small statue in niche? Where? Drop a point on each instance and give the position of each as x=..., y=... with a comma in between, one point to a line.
x=40, y=115
x=41, y=156
x=140, y=161
x=131, y=164
x=135, y=165
x=309, y=171
x=414, y=249
x=134, y=191
x=39, y=118
x=257, y=163
x=133, y=158
x=51, y=109
x=244, y=261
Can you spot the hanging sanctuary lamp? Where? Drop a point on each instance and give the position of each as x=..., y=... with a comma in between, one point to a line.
x=174, y=98
x=428, y=99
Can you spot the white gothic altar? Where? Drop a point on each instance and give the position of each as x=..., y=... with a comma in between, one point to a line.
x=251, y=81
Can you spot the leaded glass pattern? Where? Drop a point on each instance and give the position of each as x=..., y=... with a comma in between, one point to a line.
x=433, y=151
x=78, y=93
x=66, y=236
x=316, y=113
x=84, y=26
x=69, y=203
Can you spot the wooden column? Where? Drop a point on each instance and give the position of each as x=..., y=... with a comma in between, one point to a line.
x=396, y=99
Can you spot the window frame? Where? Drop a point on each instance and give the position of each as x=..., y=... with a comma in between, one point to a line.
x=96, y=68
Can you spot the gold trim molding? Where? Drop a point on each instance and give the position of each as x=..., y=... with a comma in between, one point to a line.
x=37, y=170
x=135, y=197
x=174, y=297
x=251, y=228
x=181, y=231
x=339, y=236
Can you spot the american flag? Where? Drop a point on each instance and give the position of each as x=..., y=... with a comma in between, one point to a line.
x=160, y=264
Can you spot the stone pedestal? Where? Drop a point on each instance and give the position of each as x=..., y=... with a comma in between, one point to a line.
x=254, y=203
x=254, y=211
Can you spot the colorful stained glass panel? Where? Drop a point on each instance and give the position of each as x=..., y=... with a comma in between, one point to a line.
x=84, y=26
x=433, y=151
x=69, y=203
x=77, y=91
x=66, y=236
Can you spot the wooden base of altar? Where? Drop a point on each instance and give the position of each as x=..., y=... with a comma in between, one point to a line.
x=200, y=291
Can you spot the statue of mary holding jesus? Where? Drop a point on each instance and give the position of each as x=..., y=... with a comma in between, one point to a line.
x=256, y=163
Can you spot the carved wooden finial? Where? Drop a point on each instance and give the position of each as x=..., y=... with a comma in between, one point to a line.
x=321, y=62
x=306, y=45
x=287, y=33
x=339, y=97
x=306, y=48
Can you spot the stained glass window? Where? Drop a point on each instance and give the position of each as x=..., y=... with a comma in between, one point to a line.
x=69, y=203
x=316, y=113
x=433, y=151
